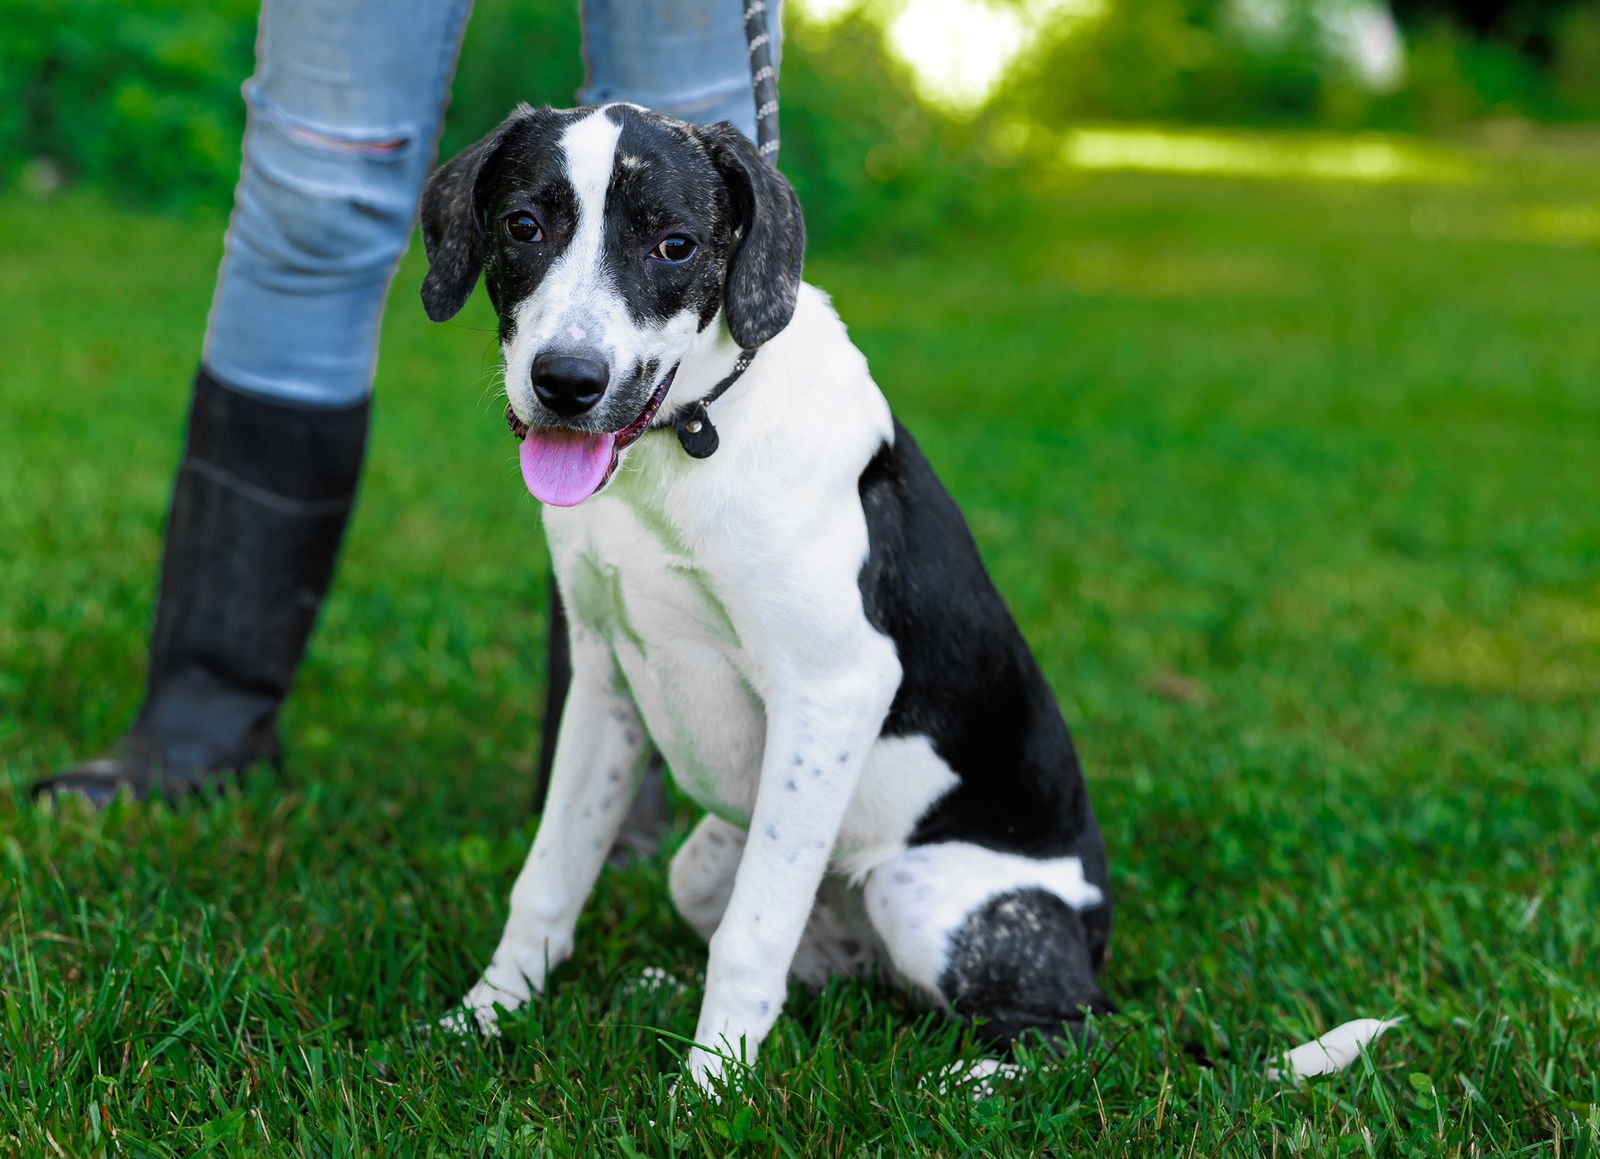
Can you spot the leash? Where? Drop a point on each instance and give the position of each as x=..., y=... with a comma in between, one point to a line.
x=695, y=429
x=763, y=79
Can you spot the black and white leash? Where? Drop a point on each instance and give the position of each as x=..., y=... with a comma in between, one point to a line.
x=694, y=428
x=763, y=79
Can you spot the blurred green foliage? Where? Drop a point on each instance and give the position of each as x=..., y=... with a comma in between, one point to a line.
x=1454, y=77
x=1195, y=60
x=143, y=101
x=1173, y=60
x=866, y=155
x=515, y=50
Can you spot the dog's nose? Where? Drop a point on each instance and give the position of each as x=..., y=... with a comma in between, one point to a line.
x=569, y=385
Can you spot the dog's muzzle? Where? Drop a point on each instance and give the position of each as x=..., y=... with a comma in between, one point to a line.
x=563, y=467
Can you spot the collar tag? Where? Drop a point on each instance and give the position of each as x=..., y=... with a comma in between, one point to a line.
x=695, y=432
x=694, y=429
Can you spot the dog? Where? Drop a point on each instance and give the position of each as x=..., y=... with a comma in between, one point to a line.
x=797, y=618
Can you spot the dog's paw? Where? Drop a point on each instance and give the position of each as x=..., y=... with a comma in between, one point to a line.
x=704, y=1076
x=464, y=1022
x=509, y=983
x=705, y=1070
x=468, y=1020
x=480, y=1009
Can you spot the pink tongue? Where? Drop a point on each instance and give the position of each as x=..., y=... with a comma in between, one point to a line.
x=563, y=468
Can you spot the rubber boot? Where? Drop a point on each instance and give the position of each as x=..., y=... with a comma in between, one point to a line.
x=258, y=512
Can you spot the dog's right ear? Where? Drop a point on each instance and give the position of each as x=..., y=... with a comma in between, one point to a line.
x=764, y=273
x=452, y=222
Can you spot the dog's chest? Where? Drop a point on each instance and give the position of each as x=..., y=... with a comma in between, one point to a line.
x=629, y=577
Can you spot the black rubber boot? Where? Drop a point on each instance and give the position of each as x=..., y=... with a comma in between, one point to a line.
x=258, y=512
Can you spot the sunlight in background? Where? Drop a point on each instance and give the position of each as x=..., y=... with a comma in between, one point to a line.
x=1360, y=34
x=1366, y=158
x=957, y=50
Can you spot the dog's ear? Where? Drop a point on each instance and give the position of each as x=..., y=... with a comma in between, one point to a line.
x=764, y=272
x=452, y=222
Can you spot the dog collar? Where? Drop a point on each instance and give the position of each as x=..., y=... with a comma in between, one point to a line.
x=694, y=428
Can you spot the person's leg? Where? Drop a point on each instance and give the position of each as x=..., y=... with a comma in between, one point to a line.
x=344, y=114
x=345, y=110
x=686, y=58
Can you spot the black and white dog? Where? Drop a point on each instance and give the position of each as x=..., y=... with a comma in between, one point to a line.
x=800, y=622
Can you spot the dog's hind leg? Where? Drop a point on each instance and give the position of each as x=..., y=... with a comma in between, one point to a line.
x=599, y=758
x=1009, y=943
x=702, y=873
x=838, y=937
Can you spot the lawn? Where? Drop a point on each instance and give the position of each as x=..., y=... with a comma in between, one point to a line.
x=1294, y=485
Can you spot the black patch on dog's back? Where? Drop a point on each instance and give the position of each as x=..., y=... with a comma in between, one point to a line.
x=969, y=681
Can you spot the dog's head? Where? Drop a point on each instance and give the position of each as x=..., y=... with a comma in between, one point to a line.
x=614, y=242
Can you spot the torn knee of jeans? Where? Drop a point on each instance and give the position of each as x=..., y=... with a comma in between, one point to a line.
x=346, y=143
x=377, y=142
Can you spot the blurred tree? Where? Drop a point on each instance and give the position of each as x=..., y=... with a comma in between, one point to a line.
x=1531, y=26
x=1291, y=62
x=142, y=99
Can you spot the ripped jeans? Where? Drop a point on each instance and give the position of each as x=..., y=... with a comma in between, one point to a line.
x=344, y=116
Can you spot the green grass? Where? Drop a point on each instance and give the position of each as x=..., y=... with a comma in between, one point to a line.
x=1295, y=490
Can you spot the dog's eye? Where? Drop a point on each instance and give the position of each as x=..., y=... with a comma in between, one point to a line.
x=522, y=226
x=674, y=249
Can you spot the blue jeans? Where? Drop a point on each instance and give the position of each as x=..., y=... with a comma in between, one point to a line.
x=344, y=117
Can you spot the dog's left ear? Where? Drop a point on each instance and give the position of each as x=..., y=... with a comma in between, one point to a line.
x=764, y=272
x=452, y=222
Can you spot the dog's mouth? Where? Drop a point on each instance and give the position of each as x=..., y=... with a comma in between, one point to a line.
x=563, y=467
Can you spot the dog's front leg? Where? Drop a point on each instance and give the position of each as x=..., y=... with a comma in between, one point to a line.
x=598, y=761
x=818, y=737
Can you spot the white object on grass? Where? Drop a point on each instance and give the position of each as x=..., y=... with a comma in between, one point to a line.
x=653, y=980
x=1333, y=1051
x=976, y=1078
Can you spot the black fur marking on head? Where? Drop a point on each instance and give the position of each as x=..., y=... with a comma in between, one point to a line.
x=764, y=273
x=454, y=201
x=662, y=183
x=706, y=183
x=530, y=174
